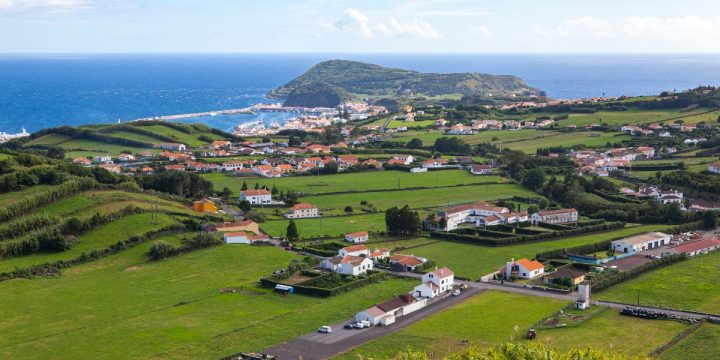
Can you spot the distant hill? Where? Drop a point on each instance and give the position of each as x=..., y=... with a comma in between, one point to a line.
x=331, y=82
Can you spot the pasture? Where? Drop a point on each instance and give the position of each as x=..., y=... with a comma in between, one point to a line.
x=472, y=261
x=126, y=307
x=692, y=284
x=700, y=345
x=351, y=182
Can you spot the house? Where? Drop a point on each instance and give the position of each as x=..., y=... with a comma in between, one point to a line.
x=523, y=269
x=670, y=197
x=480, y=169
x=357, y=237
x=372, y=163
x=435, y=283
x=256, y=197
x=565, y=276
x=348, y=264
x=379, y=254
x=640, y=242
x=245, y=225
x=82, y=161
x=103, y=159
x=555, y=216
x=126, y=157
x=233, y=165
x=302, y=210
x=219, y=144
x=175, y=167
x=385, y=313
x=319, y=149
x=694, y=248
x=205, y=206
x=632, y=130
x=434, y=163
x=171, y=146
x=714, y=168
x=403, y=159
x=460, y=129
x=347, y=160
x=354, y=250
x=399, y=262
x=416, y=170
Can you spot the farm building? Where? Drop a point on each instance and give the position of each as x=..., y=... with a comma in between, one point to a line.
x=205, y=206
x=386, y=312
x=641, y=242
x=555, y=216
x=356, y=237
x=694, y=248
x=171, y=146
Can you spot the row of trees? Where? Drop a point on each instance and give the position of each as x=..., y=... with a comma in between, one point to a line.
x=402, y=221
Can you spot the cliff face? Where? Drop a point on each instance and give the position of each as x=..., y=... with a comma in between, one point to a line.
x=330, y=82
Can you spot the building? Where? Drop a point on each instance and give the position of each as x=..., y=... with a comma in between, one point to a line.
x=241, y=237
x=694, y=248
x=379, y=254
x=205, y=206
x=469, y=213
x=356, y=237
x=348, y=264
x=302, y=210
x=126, y=157
x=480, y=169
x=219, y=144
x=354, y=250
x=714, y=168
x=555, y=216
x=399, y=262
x=523, y=269
x=670, y=197
x=640, y=242
x=82, y=161
x=171, y=146
x=386, y=312
x=434, y=163
x=416, y=170
x=256, y=197
x=435, y=283
x=404, y=159
x=566, y=276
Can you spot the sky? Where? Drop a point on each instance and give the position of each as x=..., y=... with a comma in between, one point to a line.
x=339, y=26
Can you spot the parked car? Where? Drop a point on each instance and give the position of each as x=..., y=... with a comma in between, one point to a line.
x=349, y=326
x=456, y=292
x=325, y=329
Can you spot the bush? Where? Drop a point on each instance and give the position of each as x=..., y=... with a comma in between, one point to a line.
x=161, y=250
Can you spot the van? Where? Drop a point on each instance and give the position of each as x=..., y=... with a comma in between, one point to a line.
x=325, y=329
x=365, y=324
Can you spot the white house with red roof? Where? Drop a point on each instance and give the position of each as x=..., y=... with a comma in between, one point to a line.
x=523, y=269
x=400, y=262
x=219, y=144
x=470, y=213
x=434, y=163
x=302, y=210
x=714, y=167
x=385, y=313
x=379, y=254
x=435, y=283
x=355, y=250
x=241, y=237
x=82, y=161
x=357, y=237
x=480, y=169
x=348, y=264
x=256, y=197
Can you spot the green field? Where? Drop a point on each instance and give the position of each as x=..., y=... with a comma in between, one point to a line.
x=362, y=181
x=700, y=345
x=472, y=261
x=330, y=226
x=191, y=140
x=496, y=317
x=692, y=284
x=423, y=198
x=96, y=239
x=125, y=307
x=412, y=124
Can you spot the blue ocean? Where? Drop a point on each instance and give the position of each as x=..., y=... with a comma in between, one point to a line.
x=40, y=91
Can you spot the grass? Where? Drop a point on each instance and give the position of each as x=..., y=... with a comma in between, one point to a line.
x=377, y=180
x=50, y=139
x=700, y=345
x=96, y=239
x=486, y=319
x=185, y=138
x=125, y=307
x=412, y=124
x=692, y=284
x=423, y=198
x=13, y=197
x=473, y=261
x=613, y=332
x=331, y=226
x=83, y=147
x=89, y=202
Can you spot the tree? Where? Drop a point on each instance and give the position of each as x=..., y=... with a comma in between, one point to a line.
x=293, y=141
x=244, y=186
x=244, y=205
x=292, y=231
x=534, y=178
x=274, y=190
x=414, y=143
x=257, y=186
x=348, y=209
x=402, y=221
x=451, y=145
x=161, y=250
x=533, y=209
x=543, y=203
x=709, y=220
x=225, y=193
x=266, y=139
x=675, y=214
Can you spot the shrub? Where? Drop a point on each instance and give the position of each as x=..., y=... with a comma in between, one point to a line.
x=161, y=250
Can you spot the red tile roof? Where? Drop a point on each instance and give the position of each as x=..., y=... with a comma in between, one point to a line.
x=357, y=234
x=697, y=245
x=530, y=265
x=355, y=248
x=301, y=206
x=256, y=192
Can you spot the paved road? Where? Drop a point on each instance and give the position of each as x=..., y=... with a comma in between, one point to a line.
x=316, y=346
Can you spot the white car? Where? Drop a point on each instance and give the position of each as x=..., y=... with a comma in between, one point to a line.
x=325, y=329
x=456, y=292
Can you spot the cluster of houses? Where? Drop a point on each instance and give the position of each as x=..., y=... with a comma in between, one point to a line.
x=603, y=163
x=481, y=214
x=656, y=129
x=671, y=196
x=489, y=124
x=358, y=259
x=432, y=285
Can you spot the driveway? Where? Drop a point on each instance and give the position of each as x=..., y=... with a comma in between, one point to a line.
x=316, y=346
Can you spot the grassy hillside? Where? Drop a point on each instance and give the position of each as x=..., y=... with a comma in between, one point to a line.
x=330, y=82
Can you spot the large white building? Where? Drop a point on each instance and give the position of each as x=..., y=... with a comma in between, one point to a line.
x=555, y=216
x=256, y=197
x=470, y=213
x=435, y=283
x=641, y=242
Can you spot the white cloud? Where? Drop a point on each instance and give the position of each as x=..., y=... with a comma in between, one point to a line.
x=355, y=21
x=42, y=4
